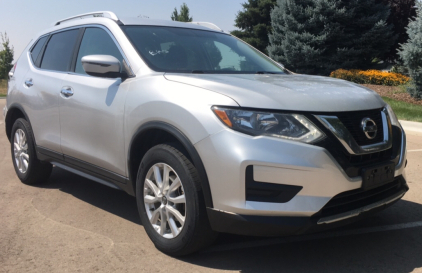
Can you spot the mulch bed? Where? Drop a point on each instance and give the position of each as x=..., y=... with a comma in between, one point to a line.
x=393, y=92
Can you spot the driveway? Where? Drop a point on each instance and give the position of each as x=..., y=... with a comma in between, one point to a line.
x=72, y=224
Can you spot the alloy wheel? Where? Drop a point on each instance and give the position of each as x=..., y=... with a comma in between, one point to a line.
x=165, y=201
x=20, y=148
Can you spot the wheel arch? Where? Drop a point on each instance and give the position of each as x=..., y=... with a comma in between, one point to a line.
x=14, y=112
x=157, y=132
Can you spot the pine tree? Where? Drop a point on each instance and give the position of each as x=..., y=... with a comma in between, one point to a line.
x=254, y=23
x=6, y=56
x=183, y=16
x=319, y=36
x=401, y=12
x=411, y=53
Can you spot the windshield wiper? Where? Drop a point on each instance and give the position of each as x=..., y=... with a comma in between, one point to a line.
x=265, y=72
x=198, y=72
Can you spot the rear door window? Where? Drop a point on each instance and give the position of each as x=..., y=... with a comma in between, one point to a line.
x=59, y=50
x=96, y=41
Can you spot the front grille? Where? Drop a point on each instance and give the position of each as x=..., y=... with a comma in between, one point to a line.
x=352, y=164
x=352, y=121
x=358, y=160
x=359, y=198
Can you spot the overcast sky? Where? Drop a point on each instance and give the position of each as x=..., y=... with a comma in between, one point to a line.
x=23, y=19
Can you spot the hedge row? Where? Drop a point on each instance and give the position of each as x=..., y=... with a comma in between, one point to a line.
x=371, y=77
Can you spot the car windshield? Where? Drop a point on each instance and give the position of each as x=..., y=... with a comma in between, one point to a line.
x=183, y=50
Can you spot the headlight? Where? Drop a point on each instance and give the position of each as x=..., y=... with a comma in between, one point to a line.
x=393, y=117
x=286, y=126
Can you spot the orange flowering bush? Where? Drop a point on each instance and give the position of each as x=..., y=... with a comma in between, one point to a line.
x=371, y=77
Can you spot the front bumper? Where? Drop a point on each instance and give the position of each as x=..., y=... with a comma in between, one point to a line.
x=287, y=225
x=313, y=169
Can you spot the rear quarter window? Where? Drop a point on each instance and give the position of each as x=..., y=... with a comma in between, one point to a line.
x=36, y=50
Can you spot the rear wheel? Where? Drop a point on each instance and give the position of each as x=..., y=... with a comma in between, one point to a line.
x=170, y=202
x=28, y=168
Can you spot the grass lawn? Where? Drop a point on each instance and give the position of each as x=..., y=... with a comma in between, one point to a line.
x=404, y=110
x=3, y=88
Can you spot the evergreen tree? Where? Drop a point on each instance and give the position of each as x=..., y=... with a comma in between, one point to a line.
x=255, y=23
x=183, y=16
x=402, y=11
x=6, y=56
x=319, y=36
x=411, y=53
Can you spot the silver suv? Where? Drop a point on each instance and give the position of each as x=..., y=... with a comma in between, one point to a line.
x=208, y=134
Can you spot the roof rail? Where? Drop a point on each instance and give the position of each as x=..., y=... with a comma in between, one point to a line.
x=207, y=25
x=106, y=14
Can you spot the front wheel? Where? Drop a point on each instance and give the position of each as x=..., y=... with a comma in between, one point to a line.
x=170, y=202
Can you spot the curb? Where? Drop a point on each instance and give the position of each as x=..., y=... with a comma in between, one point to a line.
x=411, y=126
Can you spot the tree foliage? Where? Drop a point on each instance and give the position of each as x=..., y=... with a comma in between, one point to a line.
x=6, y=56
x=320, y=36
x=401, y=12
x=411, y=53
x=254, y=23
x=183, y=16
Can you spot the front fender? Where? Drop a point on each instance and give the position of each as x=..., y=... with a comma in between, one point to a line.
x=183, y=111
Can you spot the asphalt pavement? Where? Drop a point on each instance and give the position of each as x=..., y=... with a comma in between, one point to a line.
x=72, y=224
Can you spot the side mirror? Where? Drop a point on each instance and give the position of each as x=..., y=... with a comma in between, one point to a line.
x=105, y=66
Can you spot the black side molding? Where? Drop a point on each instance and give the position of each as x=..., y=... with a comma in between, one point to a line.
x=268, y=192
x=117, y=180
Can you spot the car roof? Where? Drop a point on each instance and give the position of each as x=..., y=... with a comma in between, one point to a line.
x=166, y=23
x=109, y=16
x=109, y=19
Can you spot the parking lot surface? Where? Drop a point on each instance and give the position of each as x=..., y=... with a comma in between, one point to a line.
x=72, y=224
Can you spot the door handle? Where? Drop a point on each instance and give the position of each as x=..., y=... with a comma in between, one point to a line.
x=29, y=83
x=66, y=92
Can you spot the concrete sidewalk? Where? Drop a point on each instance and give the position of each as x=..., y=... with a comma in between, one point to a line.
x=411, y=126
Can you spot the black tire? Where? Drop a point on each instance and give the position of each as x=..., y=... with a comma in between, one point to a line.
x=196, y=232
x=37, y=171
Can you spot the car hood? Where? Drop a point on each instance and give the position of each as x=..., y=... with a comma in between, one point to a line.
x=286, y=92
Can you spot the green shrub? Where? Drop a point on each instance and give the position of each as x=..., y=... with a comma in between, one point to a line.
x=371, y=77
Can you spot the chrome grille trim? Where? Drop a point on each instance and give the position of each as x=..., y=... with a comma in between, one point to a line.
x=343, y=135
